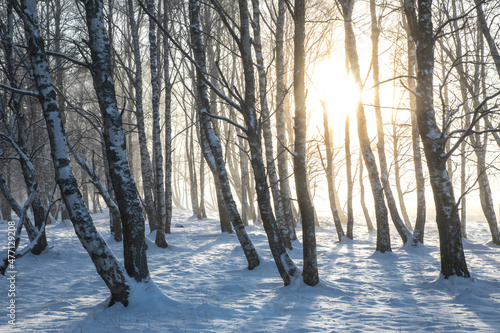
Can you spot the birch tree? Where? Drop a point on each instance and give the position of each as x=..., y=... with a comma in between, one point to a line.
x=383, y=238
x=211, y=141
x=434, y=141
x=136, y=78
x=105, y=262
x=134, y=242
x=159, y=189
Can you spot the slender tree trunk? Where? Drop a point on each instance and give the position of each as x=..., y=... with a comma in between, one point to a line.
x=115, y=222
x=383, y=238
x=418, y=231
x=447, y=217
x=495, y=54
x=282, y=105
x=397, y=174
x=159, y=189
x=244, y=181
x=348, y=166
x=286, y=267
x=214, y=155
x=193, y=183
x=146, y=169
x=28, y=170
x=369, y=223
x=168, y=122
x=203, y=211
x=329, y=173
x=310, y=270
x=485, y=193
x=267, y=133
x=403, y=231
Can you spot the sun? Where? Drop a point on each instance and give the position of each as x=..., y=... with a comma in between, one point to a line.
x=329, y=83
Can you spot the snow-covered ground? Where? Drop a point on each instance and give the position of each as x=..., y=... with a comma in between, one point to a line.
x=207, y=287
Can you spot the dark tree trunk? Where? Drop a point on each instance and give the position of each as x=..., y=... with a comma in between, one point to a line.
x=447, y=217
x=329, y=173
x=369, y=223
x=284, y=263
x=28, y=170
x=214, y=156
x=383, y=238
x=159, y=189
x=146, y=169
x=403, y=231
x=134, y=242
x=310, y=270
x=266, y=129
x=348, y=166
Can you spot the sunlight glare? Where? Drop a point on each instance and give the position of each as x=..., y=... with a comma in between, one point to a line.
x=329, y=83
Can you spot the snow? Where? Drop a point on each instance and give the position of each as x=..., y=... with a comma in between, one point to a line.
x=200, y=284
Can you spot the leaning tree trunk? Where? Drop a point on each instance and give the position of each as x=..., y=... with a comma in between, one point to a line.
x=495, y=54
x=214, y=155
x=134, y=242
x=329, y=173
x=383, y=238
x=369, y=223
x=266, y=129
x=397, y=173
x=286, y=267
x=12, y=204
x=485, y=194
x=447, y=217
x=403, y=231
x=105, y=262
x=28, y=170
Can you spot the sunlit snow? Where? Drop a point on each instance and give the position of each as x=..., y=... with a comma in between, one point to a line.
x=201, y=284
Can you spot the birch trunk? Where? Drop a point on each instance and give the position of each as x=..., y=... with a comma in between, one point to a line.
x=403, y=231
x=397, y=174
x=28, y=170
x=310, y=269
x=284, y=263
x=105, y=262
x=383, y=238
x=267, y=133
x=329, y=173
x=418, y=232
x=452, y=255
x=168, y=122
x=134, y=243
x=146, y=169
x=281, y=107
x=348, y=167
x=369, y=223
x=159, y=189
x=214, y=156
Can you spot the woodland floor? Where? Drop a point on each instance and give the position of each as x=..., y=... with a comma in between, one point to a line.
x=207, y=287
